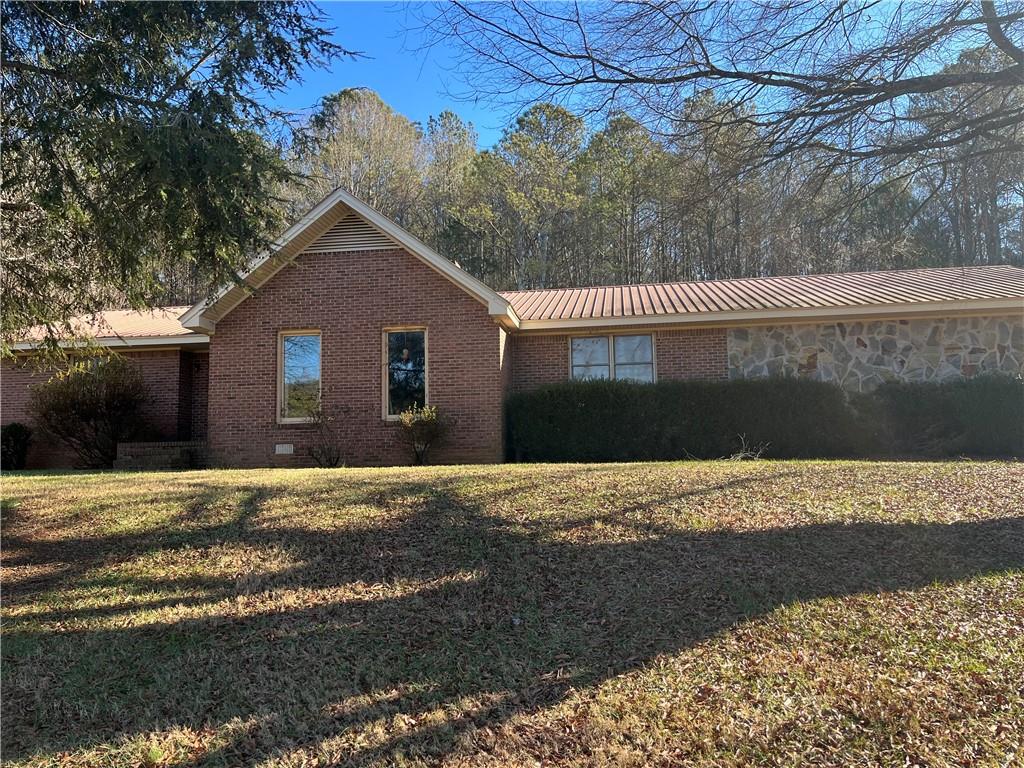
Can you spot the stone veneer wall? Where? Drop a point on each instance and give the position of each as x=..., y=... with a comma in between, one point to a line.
x=860, y=355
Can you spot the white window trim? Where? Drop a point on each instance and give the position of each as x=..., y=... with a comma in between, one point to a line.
x=611, y=351
x=385, y=393
x=281, y=418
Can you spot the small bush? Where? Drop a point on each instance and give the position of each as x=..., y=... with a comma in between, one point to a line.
x=983, y=416
x=15, y=439
x=621, y=421
x=327, y=446
x=92, y=408
x=776, y=417
x=422, y=429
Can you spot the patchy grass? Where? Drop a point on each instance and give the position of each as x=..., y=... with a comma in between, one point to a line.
x=655, y=614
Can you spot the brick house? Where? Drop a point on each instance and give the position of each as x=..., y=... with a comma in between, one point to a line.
x=351, y=311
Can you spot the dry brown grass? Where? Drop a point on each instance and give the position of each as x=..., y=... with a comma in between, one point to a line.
x=654, y=614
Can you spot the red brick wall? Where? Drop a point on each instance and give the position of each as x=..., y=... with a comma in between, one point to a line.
x=161, y=370
x=351, y=298
x=193, y=386
x=15, y=379
x=691, y=353
x=200, y=392
x=538, y=360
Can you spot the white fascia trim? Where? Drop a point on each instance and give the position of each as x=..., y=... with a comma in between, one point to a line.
x=761, y=316
x=484, y=293
x=199, y=324
x=192, y=317
x=112, y=342
x=497, y=306
x=509, y=320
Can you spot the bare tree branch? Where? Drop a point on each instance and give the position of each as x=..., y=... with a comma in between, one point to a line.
x=836, y=77
x=995, y=30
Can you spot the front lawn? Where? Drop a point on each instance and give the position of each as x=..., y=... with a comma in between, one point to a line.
x=653, y=614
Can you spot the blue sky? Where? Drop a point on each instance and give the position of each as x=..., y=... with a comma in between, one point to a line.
x=415, y=83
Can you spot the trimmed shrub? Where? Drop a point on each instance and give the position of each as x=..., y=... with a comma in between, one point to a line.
x=621, y=421
x=92, y=408
x=421, y=429
x=774, y=417
x=983, y=416
x=15, y=439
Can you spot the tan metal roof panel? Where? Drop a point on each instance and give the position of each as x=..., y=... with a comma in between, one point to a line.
x=841, y=290
x=658, y=300
x=162, y=322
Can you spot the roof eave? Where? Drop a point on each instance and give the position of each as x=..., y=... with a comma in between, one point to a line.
x=197, y=323
x=761, y=316
x=120, y=342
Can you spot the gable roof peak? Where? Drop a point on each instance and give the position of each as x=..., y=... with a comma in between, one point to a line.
x=204, y=315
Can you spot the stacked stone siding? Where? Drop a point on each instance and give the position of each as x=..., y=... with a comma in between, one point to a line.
x=351, y=298
x=689, y=353
x=861, y=354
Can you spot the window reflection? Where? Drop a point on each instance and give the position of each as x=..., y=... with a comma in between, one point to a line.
x=407, y=370
x=300, y=358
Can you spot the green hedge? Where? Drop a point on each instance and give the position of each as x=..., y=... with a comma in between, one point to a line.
x=983, y=416
x=777, y=417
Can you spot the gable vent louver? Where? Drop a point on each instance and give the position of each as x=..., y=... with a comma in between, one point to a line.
x=351, y=234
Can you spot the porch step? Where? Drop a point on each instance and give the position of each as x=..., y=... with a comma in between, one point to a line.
x=180, y=454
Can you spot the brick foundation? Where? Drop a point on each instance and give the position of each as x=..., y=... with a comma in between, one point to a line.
x=173, y=454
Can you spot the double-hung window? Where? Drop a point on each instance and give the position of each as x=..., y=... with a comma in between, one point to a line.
x=405, y=370
x=298, y=375
x=613, y=357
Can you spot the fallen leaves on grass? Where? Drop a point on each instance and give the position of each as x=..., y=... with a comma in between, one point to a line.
x=720, y=613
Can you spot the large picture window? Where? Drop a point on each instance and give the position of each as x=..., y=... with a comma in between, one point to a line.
x=406, y=370
x=299, y=383
x=613, y=357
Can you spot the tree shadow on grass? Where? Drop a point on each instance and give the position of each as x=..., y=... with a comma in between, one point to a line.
x=64, y=561
x=416, y=614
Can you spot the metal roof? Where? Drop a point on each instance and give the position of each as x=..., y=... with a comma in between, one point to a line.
x=125, y=327
x=803, y=292
x=745, y=300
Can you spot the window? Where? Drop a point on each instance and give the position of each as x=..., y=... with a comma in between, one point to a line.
x=634, y=358
x=299, y=385
x=590, y=358
x=613, y=357
x=405, y=370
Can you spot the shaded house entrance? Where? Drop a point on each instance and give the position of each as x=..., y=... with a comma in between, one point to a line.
x=175, y=367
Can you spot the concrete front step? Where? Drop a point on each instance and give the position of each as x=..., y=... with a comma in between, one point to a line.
x=180, y=454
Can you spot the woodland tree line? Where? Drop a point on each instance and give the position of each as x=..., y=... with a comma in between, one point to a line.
x=146, y=159
x=556, y=204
